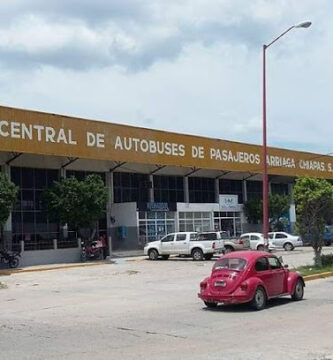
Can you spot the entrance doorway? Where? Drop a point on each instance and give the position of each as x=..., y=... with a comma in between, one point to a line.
x=229, y=221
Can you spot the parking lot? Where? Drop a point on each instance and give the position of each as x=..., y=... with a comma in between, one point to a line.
x=142, y=309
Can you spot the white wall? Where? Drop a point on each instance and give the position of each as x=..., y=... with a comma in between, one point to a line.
x=197, y=207
x=125, y=214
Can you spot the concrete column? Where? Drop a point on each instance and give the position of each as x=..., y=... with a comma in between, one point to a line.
x=291, y=193
x=64, y=228
x=186, y=191
x=217, y=190
x=292, y=208
x=7, y=229
x=244, y=188
x=151, y=189
x=269, y=188
x=63, y=173
x=109, y=185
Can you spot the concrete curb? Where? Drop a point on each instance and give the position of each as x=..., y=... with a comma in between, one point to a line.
x=318, y=276
x=47, y=268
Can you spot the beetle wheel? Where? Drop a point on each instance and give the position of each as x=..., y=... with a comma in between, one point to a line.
x=298, y=291
x=259, y=299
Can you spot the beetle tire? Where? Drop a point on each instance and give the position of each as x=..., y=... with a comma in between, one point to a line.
x=259, y=299
x=298, y=291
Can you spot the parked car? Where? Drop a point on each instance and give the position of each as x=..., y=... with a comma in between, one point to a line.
x=284, y=240
x=256, y=240
x=181, y=243
x=249, y=277
x=328, y=237
x=234, y=244
x=216, y=236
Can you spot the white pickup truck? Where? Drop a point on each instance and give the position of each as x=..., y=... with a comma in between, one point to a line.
x=182, y=243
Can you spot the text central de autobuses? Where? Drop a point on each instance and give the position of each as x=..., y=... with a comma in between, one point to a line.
x=49, y=134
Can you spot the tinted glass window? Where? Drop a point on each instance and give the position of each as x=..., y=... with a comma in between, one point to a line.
x=280, y=236
x=255, y=237
x=270, y=236
x=168, y=238
x=207, y=236
x=193, y=236
x=274, y=263
x=262, y=265
x=181, y=237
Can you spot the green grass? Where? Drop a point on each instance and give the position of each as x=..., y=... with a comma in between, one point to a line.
x=312, y=270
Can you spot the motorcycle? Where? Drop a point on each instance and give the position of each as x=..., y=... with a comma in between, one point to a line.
x=10, y=258
x=91, y=251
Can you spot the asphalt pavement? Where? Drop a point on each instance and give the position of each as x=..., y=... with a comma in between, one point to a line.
x=150, y=310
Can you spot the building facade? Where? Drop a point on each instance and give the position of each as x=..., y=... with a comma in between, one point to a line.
x=158, y=182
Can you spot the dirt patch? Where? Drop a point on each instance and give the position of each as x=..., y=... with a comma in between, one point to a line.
x=3, y=286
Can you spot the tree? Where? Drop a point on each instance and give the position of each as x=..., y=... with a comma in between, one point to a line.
x=8, y=196
x=77, y=203
x=313, y=198
x=253, y=211
x=278, y=206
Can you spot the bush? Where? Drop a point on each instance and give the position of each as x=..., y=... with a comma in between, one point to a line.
x=327, y=260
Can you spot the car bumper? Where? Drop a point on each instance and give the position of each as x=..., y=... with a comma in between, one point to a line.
x=224, y=299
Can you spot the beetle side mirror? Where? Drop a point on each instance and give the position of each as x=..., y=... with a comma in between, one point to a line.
x=285, y=266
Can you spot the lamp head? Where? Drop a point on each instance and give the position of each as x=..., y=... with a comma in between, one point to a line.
x=304, y=25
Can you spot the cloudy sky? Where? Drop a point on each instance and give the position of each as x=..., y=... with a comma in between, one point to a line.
x=191, y=66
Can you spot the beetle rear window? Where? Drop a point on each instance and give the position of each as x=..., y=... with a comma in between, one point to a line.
x=230, y=264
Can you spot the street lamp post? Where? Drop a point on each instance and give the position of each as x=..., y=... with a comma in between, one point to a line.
x=303, y=25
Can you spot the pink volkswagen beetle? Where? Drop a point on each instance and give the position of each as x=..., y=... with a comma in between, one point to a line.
x=249, y=277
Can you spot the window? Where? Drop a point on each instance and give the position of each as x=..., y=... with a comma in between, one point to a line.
x=81, y=175
x=168, y=238
x=131, y=187
x=274, y=263
x=230, y=264
x=194, y=221
x=168, y=189
x=193, y=236
x=181, y=237
x=207, y=236
x=270, y=236
x=254, y=190
x=232, y=187
x=29, y=220
x=281, y=189
x=245, y=237
x=255, y=237
x=280, y=236
x=262, y=265
x=201, y=190
x=153, y=225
